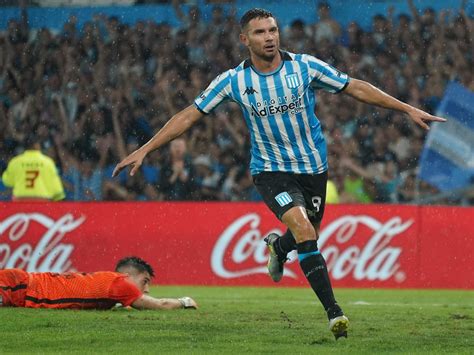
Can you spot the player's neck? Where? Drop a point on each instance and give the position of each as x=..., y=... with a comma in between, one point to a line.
x=264, y=65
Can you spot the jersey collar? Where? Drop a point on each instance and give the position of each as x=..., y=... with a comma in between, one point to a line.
x=284, y=57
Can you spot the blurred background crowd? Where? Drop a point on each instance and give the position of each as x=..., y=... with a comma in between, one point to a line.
x=95, y=93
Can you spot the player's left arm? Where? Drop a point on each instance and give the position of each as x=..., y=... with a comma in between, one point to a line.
x=366, y=92
x=148, y=302
x=55, y=183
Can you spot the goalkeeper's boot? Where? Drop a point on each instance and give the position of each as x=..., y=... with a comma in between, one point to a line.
x=338, y=322
x=275, y=261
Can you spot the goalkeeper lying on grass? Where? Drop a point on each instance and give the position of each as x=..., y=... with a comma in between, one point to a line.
x=127, y=286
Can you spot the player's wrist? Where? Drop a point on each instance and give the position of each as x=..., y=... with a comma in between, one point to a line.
x=408, y=109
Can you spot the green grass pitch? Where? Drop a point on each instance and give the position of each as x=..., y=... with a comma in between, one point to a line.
x=253, y=321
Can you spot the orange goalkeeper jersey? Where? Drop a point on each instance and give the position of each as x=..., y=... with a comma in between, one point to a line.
x=96, y=290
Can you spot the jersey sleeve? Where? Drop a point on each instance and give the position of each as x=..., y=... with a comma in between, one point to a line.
x=124, y=292
x=217, y=92
x=325, y=76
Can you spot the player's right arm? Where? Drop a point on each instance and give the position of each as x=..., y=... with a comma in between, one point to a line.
x=8, y=177
x=217, y=92
x=176, y=126
x=148, y=302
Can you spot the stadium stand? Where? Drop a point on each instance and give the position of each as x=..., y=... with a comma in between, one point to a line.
x=96, y=92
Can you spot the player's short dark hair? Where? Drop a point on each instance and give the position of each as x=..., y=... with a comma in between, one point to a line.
x=254, y=13
x=31, y=140
x=135, y=262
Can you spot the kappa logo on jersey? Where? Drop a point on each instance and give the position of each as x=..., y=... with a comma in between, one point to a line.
x=250, y=91
x=292, y=81
x=283, y=199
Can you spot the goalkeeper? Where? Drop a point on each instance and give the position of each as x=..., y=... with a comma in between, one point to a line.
x=127, y=286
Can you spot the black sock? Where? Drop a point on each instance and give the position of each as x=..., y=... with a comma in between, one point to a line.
x=314, y=267
x=285, y=244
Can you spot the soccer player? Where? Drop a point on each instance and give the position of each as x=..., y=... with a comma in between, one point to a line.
x=33, y=175
x=127, y=286
x=275, y=90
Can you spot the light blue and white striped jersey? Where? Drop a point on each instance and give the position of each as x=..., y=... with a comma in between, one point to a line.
x=278, y=108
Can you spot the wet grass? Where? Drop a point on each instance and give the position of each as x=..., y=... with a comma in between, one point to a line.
x=253, y=321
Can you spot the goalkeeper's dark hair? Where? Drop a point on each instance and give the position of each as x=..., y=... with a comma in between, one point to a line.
x=135, y=262
x=254, y=13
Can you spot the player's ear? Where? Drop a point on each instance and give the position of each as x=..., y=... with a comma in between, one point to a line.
x=244, y=39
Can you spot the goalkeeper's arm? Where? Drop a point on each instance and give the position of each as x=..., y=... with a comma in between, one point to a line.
x=148, y=302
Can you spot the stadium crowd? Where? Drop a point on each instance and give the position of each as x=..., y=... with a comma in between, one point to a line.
x=94, y=94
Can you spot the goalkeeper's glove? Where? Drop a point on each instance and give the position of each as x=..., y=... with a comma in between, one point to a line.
x=187, y=302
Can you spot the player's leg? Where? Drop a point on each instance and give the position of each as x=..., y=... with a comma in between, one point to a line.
x=314, y=190
x=13, y=285
x=338, y=322
x=311, y=261
x=314, y=267
x=290, y=199
x=280, y=192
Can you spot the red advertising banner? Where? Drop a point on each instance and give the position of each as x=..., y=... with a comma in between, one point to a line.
x=222, y=243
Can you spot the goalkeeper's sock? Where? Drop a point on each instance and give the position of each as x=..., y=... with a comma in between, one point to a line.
x=314, y=267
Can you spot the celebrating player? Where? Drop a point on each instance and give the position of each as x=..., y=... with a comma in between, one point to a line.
x=275, y=90
x=127, y=286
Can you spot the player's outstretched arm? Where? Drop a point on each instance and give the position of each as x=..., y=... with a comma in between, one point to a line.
x=148, y=302
x=176, y=126
x=365, y=92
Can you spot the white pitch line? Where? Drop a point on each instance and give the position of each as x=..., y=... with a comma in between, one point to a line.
x=363, y=303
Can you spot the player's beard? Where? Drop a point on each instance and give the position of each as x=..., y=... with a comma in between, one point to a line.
x=267, y=57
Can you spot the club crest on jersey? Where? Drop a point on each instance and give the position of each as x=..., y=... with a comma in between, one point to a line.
x=292, y=81
x=283, y=199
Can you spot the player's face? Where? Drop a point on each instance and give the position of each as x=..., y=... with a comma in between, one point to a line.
x=141, y=280
x=262, y=38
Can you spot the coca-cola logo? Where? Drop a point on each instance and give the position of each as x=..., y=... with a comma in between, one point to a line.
x=377, y=259
x=42, y=253
x=249, y=245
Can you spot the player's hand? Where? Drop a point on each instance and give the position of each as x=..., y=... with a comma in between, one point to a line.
x=188, y=302
x=135, y=159
x=421, y=117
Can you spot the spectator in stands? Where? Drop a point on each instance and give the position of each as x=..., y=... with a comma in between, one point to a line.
x=177, y=173
x=332, y=196
x=206, y=179
x=83, y=176
x=296, y=38
x=191, y=21
x=33, y=175
x=326, y=28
